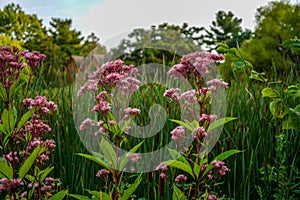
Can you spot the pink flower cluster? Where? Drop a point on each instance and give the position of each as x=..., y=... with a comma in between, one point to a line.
x=11, y=63
x=8, y=184
x=218, y=82
x=163, y=169
x=194, y=63
x=199, y=133
x=132, y=111
x=220, y=165
x=86, y=123
x=180, y=178
x=208, y=118
x=40, y=102
x=134, y=157
x=173, y=93
x=102, y=173
x=178, y=133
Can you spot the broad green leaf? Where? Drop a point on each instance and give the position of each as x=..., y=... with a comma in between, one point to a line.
x=3, y=96
x=177, y=194
x=5, y=170
x=98, y=193
x=180, y=165
x=278, y=108
x=30, y=161
x=25, y=118
x=221, y=157
x=80, y=197
x=269, y=92
x=130, y=190
x=96, y=160
x=59, y=196
x=108, y=152
x=219, y=122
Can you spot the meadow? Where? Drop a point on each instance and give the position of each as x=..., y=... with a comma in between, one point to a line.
x=267, y=166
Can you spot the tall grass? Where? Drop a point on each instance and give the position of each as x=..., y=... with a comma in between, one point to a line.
x=252, y=175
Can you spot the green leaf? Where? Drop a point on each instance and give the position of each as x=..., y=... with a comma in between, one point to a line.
x=44, y=173
x=294, y=90
x=269, y=92
x=80, y=197
x=59, y=196
x=30, y=178
x=278, y=108
x=219, y=122
x=177, y=194
x=2, y=129
x=188, y=125
x=99, y=194
x=6, y=171
x=96, y=160
x=177, y=156
x=3, y=96
x=236, y=65
x=8, y=120
x=30, y=161
x=258, y=76
x=108, y=152
x=180, y=165
x=25, y=118
x=124, y=159
x=220, y=157
x=130, y=190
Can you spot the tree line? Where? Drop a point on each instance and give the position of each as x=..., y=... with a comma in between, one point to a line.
x=276, y=22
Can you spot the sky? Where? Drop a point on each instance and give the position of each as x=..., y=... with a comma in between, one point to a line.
x=111, y=19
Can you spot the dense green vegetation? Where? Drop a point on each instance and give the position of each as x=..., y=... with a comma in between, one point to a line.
x=266, y=129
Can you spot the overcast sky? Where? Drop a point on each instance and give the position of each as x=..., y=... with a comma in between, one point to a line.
x=108, y=18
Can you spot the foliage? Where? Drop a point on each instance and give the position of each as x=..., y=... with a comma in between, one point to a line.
x=275, y=23
x=162, y=44
x=226, y=28
x=24, y=137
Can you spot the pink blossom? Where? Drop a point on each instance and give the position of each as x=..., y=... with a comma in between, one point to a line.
x=180, y=178
x=102, y=172
x=218, y=82
x=209, y=118
x=163, y=175
x=132, y=111
x=199, y=133
x=103, y=106
x=178, y=133
x=134, y=157
x=162, y=167
x=211, y=197
x=173, y=94
x=87, y=122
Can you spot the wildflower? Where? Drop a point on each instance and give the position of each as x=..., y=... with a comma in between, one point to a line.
x=218, y=82
x=180, y=178
x=87, y=122
x=189, y=96
x=177, y=133
x=102, y=172
x=217, y=164
x=211, y=197
x=103, y=106
x=173, y=94
x=163, y=175
x=209, y=118
x=199, y=133
x=162, y=167
x=132, y=111
x=134, y=157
